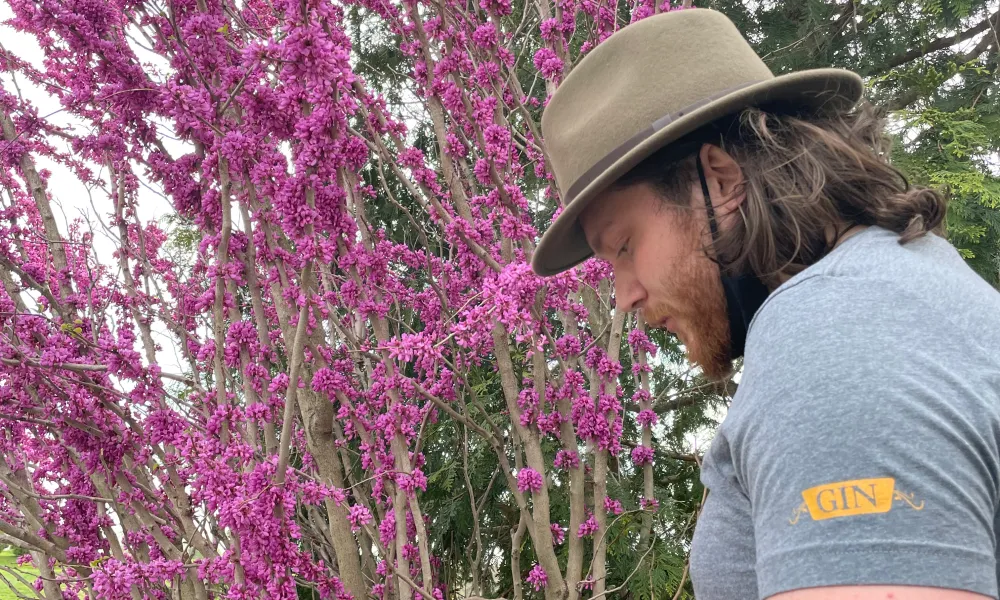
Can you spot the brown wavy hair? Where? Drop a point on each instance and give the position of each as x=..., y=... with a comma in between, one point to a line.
x=804, y=176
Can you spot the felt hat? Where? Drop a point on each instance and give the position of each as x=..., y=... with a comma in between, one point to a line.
x=647, y=86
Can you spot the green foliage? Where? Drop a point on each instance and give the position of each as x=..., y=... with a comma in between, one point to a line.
x=942, y=98
x=949, y=153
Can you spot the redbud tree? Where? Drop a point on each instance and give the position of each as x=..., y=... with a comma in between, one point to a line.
x=325, y=370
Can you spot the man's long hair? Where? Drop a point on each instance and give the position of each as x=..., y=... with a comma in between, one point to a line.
x=803, y=176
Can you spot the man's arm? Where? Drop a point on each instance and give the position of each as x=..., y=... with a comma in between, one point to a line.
x=878, y=592
x=871, y=461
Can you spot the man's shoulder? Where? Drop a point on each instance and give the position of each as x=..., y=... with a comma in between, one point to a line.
x=874, y=288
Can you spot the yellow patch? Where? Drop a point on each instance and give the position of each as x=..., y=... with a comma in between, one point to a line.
x=851, y=498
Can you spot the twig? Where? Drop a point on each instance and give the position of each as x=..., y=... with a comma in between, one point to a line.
x=24, y=582
x=634, y=571
x=407, y=579
x=590, y=569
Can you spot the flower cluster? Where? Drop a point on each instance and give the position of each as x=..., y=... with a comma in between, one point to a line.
x=537, y=578
x=641, y=455
x=588, y=527
x=529, y=480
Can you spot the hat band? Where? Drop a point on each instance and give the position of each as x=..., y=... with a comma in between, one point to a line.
x=630, y=144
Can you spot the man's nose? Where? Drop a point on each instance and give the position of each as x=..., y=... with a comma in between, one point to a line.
x=629, y=293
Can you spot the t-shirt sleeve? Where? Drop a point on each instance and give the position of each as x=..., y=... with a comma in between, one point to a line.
x=869, y=454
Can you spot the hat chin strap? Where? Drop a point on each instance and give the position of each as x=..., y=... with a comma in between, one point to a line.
x=745, y=292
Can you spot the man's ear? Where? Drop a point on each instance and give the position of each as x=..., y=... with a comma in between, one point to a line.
x=724, y=177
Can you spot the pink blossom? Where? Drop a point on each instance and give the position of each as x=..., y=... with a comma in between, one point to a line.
x=568, y=346
x=410, y=482
x=558, y=533
x=588, y=527
x=548, y=64
x=646, y=418
x=499, y=8
x=567, y=459
x=359, y=515
x=529, y=480
x=613, y=506
x=641, y=455
x=548, y=28
x=537, y=578
x=640, y=342
x=485, y=35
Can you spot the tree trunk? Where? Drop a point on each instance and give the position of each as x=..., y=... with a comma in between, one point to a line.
x=317, y=416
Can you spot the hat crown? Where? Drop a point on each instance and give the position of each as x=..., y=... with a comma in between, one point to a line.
x=649, y=70
x=648, y=86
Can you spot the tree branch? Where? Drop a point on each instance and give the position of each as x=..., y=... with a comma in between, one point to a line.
x=82, y=368
x=293, y=383
x=993, y=21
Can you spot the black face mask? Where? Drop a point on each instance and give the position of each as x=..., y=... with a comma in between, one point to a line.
x=745, y=293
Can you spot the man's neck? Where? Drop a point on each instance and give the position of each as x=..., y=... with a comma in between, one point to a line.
x=835, y=235
x=836, y=240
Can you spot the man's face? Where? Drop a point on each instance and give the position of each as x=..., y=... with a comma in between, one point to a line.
x=660, y=268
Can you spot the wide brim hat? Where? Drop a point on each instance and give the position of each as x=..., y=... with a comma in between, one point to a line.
x=649, y=85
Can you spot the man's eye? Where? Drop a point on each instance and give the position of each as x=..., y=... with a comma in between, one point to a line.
x=624, y=248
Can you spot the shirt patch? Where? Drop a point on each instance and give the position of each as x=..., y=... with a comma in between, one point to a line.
x=851, y=498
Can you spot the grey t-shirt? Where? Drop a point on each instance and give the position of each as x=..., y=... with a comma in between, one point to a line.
x=863, y=445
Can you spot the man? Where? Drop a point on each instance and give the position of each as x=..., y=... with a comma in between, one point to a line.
x=756, y=216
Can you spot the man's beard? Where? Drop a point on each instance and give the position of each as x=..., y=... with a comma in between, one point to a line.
x=698, y=306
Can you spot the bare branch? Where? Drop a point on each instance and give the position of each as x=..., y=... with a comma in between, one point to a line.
x=993, y=21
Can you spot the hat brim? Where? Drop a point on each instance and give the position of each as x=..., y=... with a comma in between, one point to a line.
x=815, y=91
